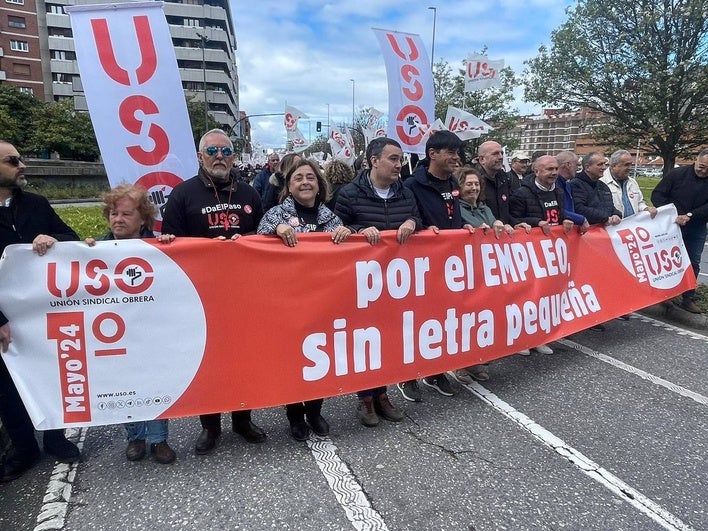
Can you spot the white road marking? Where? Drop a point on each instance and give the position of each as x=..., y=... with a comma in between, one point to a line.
x=639, y=372
x=344, y=485
x=666, y=326
x=52, y=514
x=604, y=477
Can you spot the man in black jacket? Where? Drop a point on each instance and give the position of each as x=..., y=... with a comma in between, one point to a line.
x=376, y=200
x=591, y=196
x=437, y=193
x=498, y=185
x=214, y=204
x=687, y=188
x=539, y=203
x=25, y=218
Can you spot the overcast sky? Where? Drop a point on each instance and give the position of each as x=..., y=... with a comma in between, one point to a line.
x=306, y=51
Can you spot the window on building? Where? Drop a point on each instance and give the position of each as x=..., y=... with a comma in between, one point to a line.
x=55, y=9
x=64, y=55
x=191, y=22
x=21, y=69
x=18, y=2
x=19, y=46
x=60, y=32
x=16, y=22
x=61, y=78
x=193, y=2
x=26, y=90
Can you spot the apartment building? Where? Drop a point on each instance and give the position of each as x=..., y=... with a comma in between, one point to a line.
x=40, y=57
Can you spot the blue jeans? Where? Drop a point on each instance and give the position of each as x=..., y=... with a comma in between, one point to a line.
x=694, y=238
x=152, y=431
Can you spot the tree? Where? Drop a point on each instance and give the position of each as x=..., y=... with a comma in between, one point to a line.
x=195, y=109
x=15, y=116
x=491, y=105
x=58, y=127
x=641, y=62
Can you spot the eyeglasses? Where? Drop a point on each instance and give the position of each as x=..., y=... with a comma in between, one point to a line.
x=226, y=151
x=14, y=160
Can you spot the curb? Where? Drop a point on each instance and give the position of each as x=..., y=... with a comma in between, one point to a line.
x=668, y=311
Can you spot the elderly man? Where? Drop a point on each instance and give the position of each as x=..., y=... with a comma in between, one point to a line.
x=25, y=218
x=214, y=204
x=567, y=170
x=539, y=203
x=591, y=196
x=376, y=200
x=626, y=194
x=687, y=188
x=519, y=166
x=498, y=185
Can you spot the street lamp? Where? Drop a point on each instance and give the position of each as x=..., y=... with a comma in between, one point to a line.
x=432, y=48
x=353, y=93
x=204, y=40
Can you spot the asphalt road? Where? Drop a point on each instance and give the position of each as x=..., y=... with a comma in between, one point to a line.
x=610, y=432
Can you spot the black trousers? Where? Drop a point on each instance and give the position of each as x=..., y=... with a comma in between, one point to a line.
x=212, y=421
x=16, y=420
x=296, y=412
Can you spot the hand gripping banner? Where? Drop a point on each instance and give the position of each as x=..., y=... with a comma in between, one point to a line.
x=132, y=330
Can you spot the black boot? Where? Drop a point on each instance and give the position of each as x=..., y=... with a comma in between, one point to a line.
x=314, y=418
x=296, y=418
x=245, y=428
x=58, y=446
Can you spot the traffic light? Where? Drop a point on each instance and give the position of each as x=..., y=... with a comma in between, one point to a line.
x=319, y=127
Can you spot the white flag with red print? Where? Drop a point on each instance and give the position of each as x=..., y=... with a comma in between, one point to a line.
x=481, y=73
x=464, y=124
x=342, y=145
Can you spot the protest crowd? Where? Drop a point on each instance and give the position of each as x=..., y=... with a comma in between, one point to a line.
x=292, y=195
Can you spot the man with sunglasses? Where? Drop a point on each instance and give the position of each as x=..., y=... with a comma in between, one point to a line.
x=25, y=218
x=214, y=204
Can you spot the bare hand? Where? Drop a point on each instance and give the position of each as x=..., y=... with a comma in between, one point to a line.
x=567, y=225
x=373, y=236
x=90, y=241
x=166, y=238
x=340, y=234
x=286, y=233
x=42, y=243
x=5, y=336
x=405, y=230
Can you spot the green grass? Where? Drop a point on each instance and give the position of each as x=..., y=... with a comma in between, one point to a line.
x=647, y=185
x=86, y=221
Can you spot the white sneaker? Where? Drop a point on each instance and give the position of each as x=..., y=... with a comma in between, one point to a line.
x=525, y=352
x=543, y=349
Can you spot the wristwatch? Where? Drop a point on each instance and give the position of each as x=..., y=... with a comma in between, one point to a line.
x=689, y=214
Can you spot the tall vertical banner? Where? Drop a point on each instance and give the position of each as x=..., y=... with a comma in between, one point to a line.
x=295, y=136
x=411, y=96
x=134, y=95
x=481, y=73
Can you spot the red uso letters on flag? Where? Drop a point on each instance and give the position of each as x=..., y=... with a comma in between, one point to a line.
x=134, y=95
x=410, y=87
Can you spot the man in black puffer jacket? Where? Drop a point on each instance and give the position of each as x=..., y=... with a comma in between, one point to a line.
x=591, y=196
x=374, y=201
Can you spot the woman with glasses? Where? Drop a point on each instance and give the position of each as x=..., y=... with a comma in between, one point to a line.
x=302, y=209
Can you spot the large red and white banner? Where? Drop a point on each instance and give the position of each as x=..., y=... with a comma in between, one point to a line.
x=133, y=330
x=411, y=95
x=134, y=94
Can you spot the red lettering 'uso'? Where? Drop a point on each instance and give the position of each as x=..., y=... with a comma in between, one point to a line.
x=408, y=73
x=126, y=112
x=52, y=280
x=412, y=55
x=107, y=57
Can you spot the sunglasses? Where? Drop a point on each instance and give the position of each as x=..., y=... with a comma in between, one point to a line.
x=226, y=151
x=14, y=160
